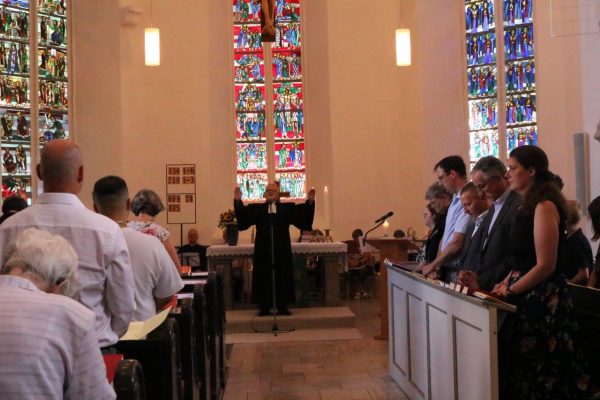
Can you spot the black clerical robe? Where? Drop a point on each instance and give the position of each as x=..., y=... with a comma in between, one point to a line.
x=299, y=215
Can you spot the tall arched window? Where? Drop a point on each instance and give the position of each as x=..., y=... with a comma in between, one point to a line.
x=269, y=100
x=502, y=108
x=31, y=67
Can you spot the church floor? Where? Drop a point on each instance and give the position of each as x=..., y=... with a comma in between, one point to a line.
x=319, y=370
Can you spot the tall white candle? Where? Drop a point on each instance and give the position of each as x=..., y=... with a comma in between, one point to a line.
x=386, y=226
x=326, y=216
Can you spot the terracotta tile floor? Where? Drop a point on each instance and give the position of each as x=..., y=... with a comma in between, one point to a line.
x=320, y=370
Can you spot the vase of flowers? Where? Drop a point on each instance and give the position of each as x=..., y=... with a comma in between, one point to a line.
x=228, y=223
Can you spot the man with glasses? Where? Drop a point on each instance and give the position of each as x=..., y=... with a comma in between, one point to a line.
x=451, y=173
x=488, y=176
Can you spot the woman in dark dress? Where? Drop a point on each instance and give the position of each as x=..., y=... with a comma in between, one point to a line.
x=536, y=354
x=594, y=213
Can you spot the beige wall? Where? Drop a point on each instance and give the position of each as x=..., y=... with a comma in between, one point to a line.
x=374, y=130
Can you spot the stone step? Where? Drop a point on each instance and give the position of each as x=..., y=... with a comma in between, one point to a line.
x=239, y=321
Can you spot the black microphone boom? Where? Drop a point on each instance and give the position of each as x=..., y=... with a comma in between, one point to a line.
x=383, y=218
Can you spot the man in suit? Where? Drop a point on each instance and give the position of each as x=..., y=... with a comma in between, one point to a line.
x=488, y=176
x=476, y=204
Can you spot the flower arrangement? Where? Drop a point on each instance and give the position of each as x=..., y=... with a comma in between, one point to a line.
x=227, y=219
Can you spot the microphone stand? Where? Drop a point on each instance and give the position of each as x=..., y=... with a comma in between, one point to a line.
x=364, y=241
x=275, y=329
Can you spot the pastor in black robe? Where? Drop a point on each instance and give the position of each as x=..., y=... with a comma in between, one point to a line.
x=299, y=215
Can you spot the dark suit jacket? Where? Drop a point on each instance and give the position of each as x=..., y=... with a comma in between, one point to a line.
x=492, y=268
x=470, y=258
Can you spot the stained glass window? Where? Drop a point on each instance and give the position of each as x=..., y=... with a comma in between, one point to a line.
x=482, y=79
x=521, y=120
x=17, y=86
x=269, y=134
x=485, y=51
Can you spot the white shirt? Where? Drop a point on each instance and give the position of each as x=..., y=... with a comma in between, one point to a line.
x=478, y=220
x=105, y=278
x=457, y=221
x=154, y=272
x=48, y=346
x=498, y=206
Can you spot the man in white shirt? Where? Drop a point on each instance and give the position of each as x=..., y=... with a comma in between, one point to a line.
x=105, y=282
x=451, y=173
x=155, y=275
x=48, y=344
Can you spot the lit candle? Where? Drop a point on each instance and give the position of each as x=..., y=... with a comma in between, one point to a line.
x=326, y=216
x=386, y=225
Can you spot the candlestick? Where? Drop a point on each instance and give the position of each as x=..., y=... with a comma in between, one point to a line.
x=326, y=216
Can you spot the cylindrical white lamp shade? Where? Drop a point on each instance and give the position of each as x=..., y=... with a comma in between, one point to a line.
x=152, y=49
x=402, y=47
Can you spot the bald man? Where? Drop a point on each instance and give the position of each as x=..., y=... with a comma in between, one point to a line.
x=105, y=284
x=193, y=248
x=273, y=245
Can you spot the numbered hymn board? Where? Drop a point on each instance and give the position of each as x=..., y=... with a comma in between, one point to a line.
x=181, y=193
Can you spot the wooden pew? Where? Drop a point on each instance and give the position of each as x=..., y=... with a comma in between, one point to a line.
x=185, y=316
x=586, y=313
x=198, y=290
x=160, y=356
x=128, y=381
x=209, y=290
x=214, y=335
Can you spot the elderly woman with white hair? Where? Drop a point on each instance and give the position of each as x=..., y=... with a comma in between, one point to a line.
x=49, y=344
x=146, y=205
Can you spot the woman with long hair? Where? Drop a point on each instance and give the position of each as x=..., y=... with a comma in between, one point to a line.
x=536, y=353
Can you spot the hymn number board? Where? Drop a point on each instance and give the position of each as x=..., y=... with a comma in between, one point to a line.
x=181, y=193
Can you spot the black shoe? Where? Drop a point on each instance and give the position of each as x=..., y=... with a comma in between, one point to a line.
x=284, y=312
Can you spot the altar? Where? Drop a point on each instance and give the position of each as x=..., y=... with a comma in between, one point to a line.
x=334, y=256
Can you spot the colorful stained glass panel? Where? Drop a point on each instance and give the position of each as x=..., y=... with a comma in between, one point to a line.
x=289, y=155
x=293, y=183
x=252, y=184
x=251, y=156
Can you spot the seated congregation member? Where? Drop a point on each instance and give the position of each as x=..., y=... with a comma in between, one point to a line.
x=451, y=173
x=579, y=259
x=191, y=247
x=48, y=343
x=536, y=355
x=438, y=200
x=146, y=205
x=477, y=206
x=399, y=234
x=105, y=283
x=594, y=213
x=489, y=177
x=154, y=273
x=360, y=265
x=11, y=206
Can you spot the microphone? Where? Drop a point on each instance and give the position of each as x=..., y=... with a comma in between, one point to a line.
x=384, y=217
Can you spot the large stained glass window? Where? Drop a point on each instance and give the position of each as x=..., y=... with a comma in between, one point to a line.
x=269, y=134
x=510, y=52
x=18, y=83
